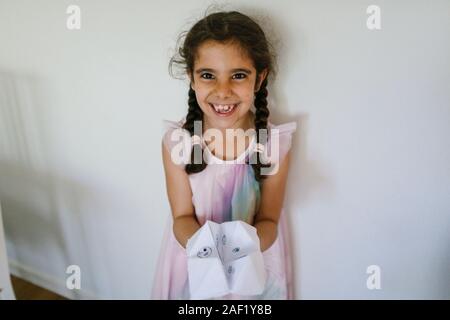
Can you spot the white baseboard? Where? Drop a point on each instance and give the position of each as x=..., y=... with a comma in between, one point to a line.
x=48, y=282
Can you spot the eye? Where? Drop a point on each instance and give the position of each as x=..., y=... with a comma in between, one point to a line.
x=237, y=76
x=206, y=74
x=241, y=76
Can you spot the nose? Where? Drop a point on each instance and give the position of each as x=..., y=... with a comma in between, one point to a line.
x=223, y=89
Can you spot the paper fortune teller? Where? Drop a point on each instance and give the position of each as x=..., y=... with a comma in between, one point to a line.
x=225, y=258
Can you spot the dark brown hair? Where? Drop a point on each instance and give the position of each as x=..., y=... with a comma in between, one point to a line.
x=227, y=27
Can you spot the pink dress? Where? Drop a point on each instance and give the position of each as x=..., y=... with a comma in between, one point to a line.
x=226, y=191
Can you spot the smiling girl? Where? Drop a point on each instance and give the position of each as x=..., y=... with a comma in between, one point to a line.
x=227, y=58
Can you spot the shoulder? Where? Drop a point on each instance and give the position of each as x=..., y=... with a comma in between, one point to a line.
x=176, y=141
x=279, y=140
x=171, y=125
x=172, y=130
x=286, y=128
x=281, y=134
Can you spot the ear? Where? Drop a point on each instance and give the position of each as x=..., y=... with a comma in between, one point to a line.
x=260, y=79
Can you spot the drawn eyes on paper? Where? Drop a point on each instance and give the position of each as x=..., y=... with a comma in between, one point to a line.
x=204, y=252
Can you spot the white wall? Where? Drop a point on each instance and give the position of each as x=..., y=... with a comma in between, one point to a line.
x=81, y=178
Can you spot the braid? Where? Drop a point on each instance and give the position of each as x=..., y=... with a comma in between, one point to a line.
x=194, y=114
x=261, y=116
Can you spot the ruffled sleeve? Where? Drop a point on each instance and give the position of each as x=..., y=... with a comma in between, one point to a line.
x=279, y=143
x=177, y=141
x=283, y=134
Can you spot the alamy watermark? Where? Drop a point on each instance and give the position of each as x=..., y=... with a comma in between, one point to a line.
x=74, y=280
x=181, y=151
x=73, y=21
x=374, y=20
x=373, y=282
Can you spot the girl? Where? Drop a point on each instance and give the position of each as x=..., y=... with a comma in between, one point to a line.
x=227, y=58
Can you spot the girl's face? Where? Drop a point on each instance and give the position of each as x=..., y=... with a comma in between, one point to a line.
x=225, y=83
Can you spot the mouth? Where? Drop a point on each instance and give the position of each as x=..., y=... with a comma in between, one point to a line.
x=224, y=110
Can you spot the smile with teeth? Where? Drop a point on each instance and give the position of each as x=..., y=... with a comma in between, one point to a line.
x=223, y=108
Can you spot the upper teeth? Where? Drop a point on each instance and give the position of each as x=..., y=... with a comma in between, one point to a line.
x=223, y=107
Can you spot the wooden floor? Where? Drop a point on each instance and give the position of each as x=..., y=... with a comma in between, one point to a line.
x=25, y=290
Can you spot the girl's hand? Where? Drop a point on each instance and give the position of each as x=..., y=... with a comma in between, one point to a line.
x=267, y=233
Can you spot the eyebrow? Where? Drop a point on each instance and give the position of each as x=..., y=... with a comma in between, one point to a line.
x=247, y=71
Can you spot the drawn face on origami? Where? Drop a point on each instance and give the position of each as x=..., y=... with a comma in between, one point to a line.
x=204, y=252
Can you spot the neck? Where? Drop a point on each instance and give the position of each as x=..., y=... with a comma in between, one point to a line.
x=244, y=123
